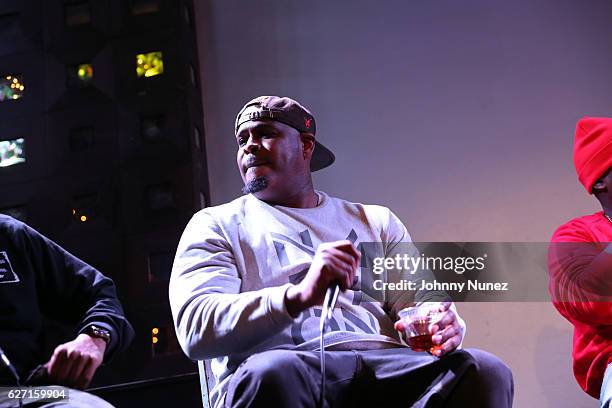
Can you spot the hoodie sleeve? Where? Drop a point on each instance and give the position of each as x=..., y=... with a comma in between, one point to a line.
x=73, y=292
x=579, y=276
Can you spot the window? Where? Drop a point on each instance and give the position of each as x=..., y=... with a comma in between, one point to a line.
x=79, y=75
x=11, y=87
x=84, y=208
x=149, y=64
x=163, y=340
x=12, y=152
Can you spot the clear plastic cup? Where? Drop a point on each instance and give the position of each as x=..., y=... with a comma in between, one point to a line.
x=418, y=321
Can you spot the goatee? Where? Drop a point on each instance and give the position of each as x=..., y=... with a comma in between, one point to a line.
x=255, y=185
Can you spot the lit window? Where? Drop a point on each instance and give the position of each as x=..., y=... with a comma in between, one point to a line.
x=85, y=72
x=149, y=64
x=84, y=208
x=12, y=152
x=11, y=87
x=159, y=341
x=79, y=75
x=164, y=341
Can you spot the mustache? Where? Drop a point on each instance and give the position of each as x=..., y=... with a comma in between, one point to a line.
x=253, y=161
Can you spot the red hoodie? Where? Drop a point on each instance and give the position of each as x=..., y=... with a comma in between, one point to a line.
x=571, y=275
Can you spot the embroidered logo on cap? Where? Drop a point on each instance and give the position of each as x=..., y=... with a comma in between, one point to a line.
x=307, y=122
x=7, y=274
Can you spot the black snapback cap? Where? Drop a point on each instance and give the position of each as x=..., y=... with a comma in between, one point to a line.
x=289, y=112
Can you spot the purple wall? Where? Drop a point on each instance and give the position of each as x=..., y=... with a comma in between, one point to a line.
x=459, y=116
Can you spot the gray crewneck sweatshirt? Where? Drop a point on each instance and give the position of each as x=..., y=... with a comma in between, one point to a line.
x=235, y=262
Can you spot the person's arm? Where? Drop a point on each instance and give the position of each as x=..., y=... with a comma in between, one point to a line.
x=73, y=292
x=212, y=317
x=448, y=334
x=580, y=277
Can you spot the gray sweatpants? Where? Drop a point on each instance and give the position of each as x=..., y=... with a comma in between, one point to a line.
x=285, y=378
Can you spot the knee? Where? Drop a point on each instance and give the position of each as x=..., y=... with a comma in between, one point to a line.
x=270, y=367
x=492, y=371
x=269, y=376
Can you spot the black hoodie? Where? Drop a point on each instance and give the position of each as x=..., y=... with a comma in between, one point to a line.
x=39, y=278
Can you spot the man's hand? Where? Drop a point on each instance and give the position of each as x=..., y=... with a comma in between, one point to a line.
x=333, y=262
x=446, y=333
x=73, y=364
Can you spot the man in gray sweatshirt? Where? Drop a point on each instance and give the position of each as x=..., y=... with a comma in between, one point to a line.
x=250, y=276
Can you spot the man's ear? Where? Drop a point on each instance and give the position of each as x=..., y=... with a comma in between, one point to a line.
x=308, y=143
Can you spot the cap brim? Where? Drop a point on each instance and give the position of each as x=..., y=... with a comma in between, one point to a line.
x=321, y=157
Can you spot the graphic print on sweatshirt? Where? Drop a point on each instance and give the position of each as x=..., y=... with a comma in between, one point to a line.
x=7, y=274
x=342, y=319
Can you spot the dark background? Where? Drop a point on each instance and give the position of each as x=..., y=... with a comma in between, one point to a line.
x=115, y=163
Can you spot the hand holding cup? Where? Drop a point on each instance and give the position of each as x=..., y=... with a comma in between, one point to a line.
x=431, y=327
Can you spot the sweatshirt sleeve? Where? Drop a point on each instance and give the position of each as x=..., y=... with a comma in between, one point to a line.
x=73, y=292
x=580, y=283
x=397, y=240
x=212, y=318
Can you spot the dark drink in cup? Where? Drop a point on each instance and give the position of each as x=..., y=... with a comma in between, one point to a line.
x=422, y=342
x=418, y=320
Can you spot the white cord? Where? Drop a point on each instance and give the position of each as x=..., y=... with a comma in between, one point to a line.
x=5, y=360
x=322, y=358
x=326, y=315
